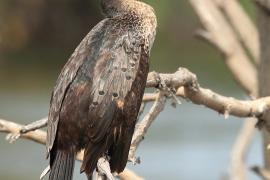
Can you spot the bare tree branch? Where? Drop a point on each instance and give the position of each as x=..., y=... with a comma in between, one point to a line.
x=38, y=136
x=143, y=126
x=188, y=87
x=35, y=125
x=237, y=166
x=221, y=31
x=263, y=19
x=218, y=32
x=243, y=25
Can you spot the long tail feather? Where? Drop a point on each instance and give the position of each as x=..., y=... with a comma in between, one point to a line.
x=62, y=166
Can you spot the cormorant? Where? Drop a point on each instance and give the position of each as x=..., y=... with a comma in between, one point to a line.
x=97, y=96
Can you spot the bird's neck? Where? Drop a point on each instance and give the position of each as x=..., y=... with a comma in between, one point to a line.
x=113, y=8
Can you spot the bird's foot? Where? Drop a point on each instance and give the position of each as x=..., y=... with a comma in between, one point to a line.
x=103, y=168
x=168, y=91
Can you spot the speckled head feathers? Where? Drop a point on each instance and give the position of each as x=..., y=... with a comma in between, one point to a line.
x=132, y=13
x=112, y=8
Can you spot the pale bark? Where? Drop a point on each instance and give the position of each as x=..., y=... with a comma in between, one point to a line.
x=219, y=33
x=238, y=169
x=243, y=25
x=144, y=125
x=225, y=24
x=264, y=71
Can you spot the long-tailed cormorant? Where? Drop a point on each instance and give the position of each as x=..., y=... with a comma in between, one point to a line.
x=97, y=96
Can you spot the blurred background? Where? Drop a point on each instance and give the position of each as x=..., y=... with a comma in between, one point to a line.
x=188, y=142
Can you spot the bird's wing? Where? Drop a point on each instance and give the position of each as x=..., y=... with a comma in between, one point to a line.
x=118, y=83
x=66, y=77
x=117, y=67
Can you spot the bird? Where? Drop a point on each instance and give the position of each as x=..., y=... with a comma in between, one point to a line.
x=97, y=96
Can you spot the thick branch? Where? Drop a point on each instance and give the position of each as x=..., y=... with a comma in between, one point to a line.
x=188, y=87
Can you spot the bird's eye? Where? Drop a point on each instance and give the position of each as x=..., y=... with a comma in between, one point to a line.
x=95, y=103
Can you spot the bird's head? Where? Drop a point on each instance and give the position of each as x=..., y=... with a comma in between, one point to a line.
x=112, y=8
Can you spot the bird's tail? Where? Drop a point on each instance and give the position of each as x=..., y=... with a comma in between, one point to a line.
x=62, y=165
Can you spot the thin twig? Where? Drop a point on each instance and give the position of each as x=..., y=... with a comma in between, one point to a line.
x=239, y=151
x=143, y=126
x=38, y=136
x=35, y=125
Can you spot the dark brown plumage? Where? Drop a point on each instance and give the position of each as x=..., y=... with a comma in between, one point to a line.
x=95, y=102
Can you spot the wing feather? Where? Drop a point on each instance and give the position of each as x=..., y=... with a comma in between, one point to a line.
x=67, y=76
x=118, y=64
